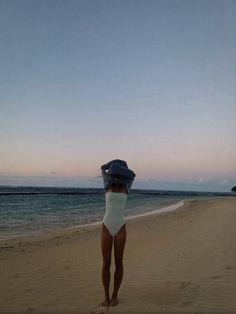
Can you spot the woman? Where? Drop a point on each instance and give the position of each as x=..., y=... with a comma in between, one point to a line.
x=117, y=180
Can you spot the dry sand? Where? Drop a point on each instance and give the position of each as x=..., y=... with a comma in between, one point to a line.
x=178, y=262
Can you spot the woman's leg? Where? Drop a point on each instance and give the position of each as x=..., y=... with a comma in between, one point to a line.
x=106, y=245
x=119, y=245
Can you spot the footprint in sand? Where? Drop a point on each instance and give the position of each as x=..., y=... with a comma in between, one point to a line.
x=16, y=275
x=229, y=267
x=215, y=277
x=100, y=310
x=185, y=284
x=186, y=303
x=66, y=268
x=28, y=290
x=30, y=310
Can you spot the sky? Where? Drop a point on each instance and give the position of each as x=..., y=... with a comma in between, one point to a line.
x=150, y=82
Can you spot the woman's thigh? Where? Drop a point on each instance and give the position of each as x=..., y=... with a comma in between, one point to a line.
x=119, y=245
x=106, y=245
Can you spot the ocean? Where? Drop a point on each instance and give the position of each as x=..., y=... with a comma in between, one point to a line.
x=27, y=210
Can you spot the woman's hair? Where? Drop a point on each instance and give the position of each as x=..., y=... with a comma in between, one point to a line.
x=116, y=186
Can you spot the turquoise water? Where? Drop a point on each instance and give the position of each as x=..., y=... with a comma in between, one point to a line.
x=31, y=210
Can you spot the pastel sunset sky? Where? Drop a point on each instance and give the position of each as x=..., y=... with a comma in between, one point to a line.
x=151, y=82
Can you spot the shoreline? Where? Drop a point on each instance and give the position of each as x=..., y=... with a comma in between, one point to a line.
x=161, y=210
x=171, y=207
x=34, y=226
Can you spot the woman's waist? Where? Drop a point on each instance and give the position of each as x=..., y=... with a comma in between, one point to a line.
x=111, y=214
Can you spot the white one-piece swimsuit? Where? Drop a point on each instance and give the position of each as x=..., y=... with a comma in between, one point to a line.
x=114, y=215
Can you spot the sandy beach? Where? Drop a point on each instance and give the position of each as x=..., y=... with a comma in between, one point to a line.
x=177, y=262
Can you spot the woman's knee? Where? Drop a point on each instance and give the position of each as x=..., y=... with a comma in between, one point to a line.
x=106, y=264
x=119, y=264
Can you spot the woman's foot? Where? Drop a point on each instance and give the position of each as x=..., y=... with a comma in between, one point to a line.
x=105, y=303
x=114, y=301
